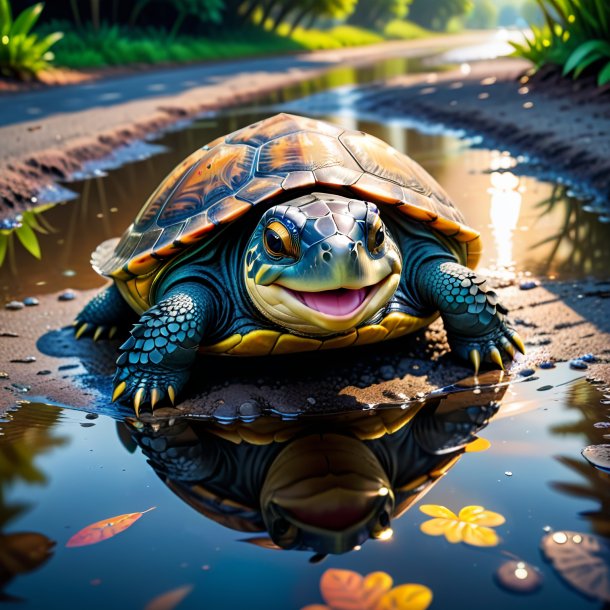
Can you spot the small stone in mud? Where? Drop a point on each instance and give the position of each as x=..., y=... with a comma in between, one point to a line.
x=44, y=372
x=3, y=375
x=8, y=333
x=14, y=305
x=91, y=416
x=547, y=364
x=526, y=372
x=578, y=364
x=25, y=360
x=598, y=456
x=67, y=295
x=87, y=425
x=31, y=301
x=249, y=409
x=588, y=358
x=528, y=284
x=311, y=400
x=544, y=388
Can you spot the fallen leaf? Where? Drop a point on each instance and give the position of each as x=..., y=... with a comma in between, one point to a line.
x=102, y=530
x=471, y=525
x=582, y=560
x=346, y=589
x=169, y=600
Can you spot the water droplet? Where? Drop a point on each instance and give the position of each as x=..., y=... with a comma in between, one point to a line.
x=547, y=529
x=31, y=301
x=508, y=473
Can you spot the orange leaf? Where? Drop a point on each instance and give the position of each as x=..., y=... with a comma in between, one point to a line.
x=169, y=600
x=350, y=591
x=102, y=530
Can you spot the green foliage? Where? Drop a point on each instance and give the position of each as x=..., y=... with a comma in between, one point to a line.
x=22, y=53
x=576, y=37
x=25, y=231
x=404, y=30
x=335, y=38
x=377, y=13
x=436, y=15
x=484, y=15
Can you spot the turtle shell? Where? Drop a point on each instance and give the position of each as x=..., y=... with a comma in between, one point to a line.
x=280, y=158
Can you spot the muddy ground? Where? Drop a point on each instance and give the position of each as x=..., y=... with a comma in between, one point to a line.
x=41, y=361
x=48, y=134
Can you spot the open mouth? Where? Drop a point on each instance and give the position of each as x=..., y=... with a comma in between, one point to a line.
x=339, y=302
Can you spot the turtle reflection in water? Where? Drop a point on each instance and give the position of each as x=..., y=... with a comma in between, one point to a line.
x=324, y=485
x=289, y=235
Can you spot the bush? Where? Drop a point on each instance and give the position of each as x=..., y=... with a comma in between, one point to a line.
x=22, y=54
x=404, y=30
x=576, y=37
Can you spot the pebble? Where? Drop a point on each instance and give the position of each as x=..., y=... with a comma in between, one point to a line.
x=508, y=473
x=598, y=456
x=311, y=400
x=544, y=388
x=547, y=364
x=3, y=375
x=25, y=360
x=519, y=577
x=588, y=358
x=14, y=305
x=31, y=301
x=602, y=424
x=8, y=333
x=526, y=372
x=87, y=424
x=67, y=295
x=528, y=284
x=91, y=416
x=578, y=364
x=44, y=372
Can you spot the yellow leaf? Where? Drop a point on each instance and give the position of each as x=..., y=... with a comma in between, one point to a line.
x=406, y=597
x=480, y=516
x=478, y=535
x=453, y=532
x=435, y=527
x=435, y=510
x=102, y=530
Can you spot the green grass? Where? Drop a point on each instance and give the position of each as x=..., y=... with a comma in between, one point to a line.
x=23, y=54
x=399, y=29
x=114, y=46
x=576, y=38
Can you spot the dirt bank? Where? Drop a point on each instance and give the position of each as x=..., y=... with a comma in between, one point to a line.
x=561, y=126
x=41, y=361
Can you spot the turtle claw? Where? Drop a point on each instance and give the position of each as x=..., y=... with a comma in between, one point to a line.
x=475, y=358
x=85, y=329
x=81, y=330
x=488, y=347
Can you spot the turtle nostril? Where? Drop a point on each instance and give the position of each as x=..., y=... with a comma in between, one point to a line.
x=326, y=256
x=325, y=246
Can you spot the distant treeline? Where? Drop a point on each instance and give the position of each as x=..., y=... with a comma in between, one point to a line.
x=205, y=16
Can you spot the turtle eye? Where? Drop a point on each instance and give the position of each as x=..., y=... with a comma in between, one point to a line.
x=279, y=242
x=376, y=236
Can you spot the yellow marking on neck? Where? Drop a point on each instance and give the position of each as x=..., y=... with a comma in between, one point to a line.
x=265, y=342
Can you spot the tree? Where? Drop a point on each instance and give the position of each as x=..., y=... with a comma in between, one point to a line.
x=483, y=16
x=530, y=11
x=328, y=9
x=376, y=13
x=436, y=14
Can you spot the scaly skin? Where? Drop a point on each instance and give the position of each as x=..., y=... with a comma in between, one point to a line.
x=473, y=318
x=157, y=358
x=103, y=314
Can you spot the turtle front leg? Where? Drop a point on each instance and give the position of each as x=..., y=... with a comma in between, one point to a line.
x=157, y=357
x=473, y=318
x=103, y=315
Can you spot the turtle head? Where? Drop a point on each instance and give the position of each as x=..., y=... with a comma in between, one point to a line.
x=321, y=264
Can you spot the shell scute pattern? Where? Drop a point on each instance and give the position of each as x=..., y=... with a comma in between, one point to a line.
x=225, y=179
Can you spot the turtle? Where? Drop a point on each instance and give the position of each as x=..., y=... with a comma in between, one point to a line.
x=289, y=235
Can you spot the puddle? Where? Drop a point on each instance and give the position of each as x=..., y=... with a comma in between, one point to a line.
x=261, y=506
x=345, y=489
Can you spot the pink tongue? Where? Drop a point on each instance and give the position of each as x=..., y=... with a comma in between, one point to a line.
x=334, y=302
